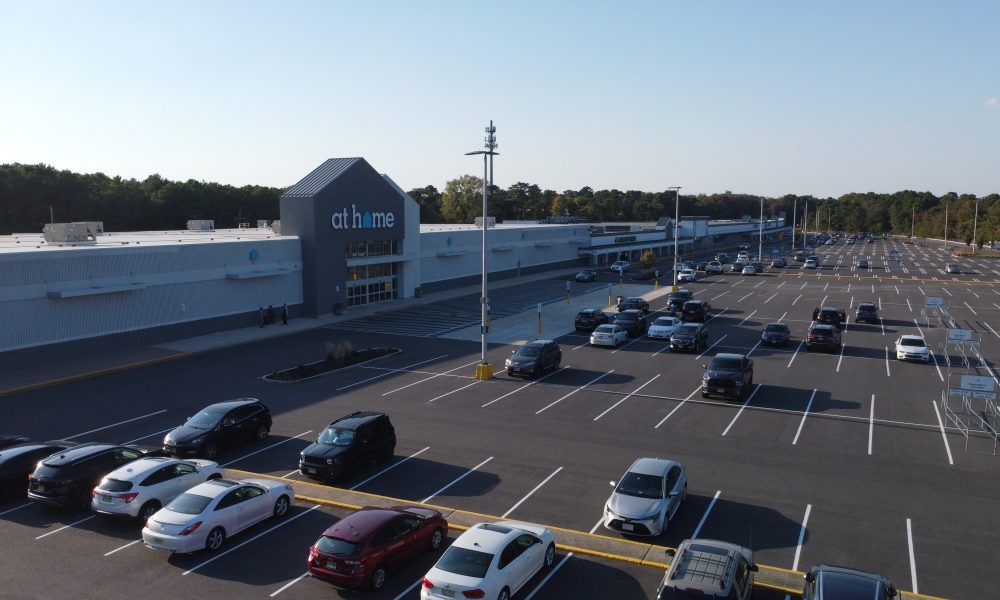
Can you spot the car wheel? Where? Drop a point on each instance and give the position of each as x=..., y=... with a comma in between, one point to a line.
x=210, y=451
x=262, y=433
x=148, y=510
x=378, y=578
x=215, y=539
x=704, y=394
x=281, y=506
x=437, y=538
x=550, y=555
x=504, y=594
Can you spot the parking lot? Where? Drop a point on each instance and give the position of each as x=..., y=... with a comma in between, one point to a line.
x=838, y=458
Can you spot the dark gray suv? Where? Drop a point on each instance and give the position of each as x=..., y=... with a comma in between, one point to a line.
x=533, y=358
x=824, y=581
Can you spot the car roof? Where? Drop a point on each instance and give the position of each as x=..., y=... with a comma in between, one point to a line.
x=141, y=467
x=214, y=488
x=590, y=310
x=76, y=453
x=848, y=584
x=487, y=537
x=357, y=419
x=635, y=312
x=228, y=405
x=730, y=356
x=706, y=565
x=694, y=302
x=911, y=338
x=867, y=305
x=28, y=447
x=652, y=466
x=666, y=318
x=360, y=524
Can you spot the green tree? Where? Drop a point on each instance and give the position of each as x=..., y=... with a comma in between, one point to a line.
x=462, y=200
x=429, y=199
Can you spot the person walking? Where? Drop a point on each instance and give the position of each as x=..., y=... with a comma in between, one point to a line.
x=261, y=317
x=270, y=314
x=284, y=314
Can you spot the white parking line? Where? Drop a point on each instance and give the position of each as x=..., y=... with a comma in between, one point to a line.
x=10, y=510
x=740, y=411
x=745, y=297
x=803, y=421
x=524, y=387
x=268, y=448
x=754, y=348
x=913, y=563
x=908, y=305
x=148, y=436
x=769, y=299
x=528, y=495
x=970, y=308
x=871, y=425
x=453, y=391
x=718, y=314
x=887, y=374
x=704, y=517
x=796, y=299
x=303, y=576
x=717, y=342
x=285, y=476
x=65, y=527
x=609, y=409
x=549, y=576
x=802, y=538
x=783, y=315
x=460, y=478
x=390, y=372
x=720, y=295
x=429, y=378
x=390, y=467
x=991, y=329
x=261, y=534
x=944, y=436
x=936, y=365
x=796, y=353
x=748, y=316
x=152, y=414
x=594, y=380
x=132, y=543
x=671, y=413
x=841, y=359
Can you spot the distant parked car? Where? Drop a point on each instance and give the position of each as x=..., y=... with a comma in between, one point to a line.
x=689, y=336
x=18, y=461
x=696, y=310
x=363, y=547
x=608, y=335
x=778, y=263
x=348, y=443
x=701, y=267
x=620, y=266
x=589, y=319
x=635, y=303
x=831, y=316
x=823, y=581
x=737, y=267
x=894, y=255
x=647, y=497
x=954, y=268
x=68, y=477
x=142, y=487
x=714, y=267
x=533, y=358
x=776, y=334
x=811, y=263
x=867, y=313
x=862, y=263
x=663, y=327
x=708, y=570
x=749, y=270
x=825, y=336
x=912, y=347
x=728, y=375
x=585, y=276
x=687, y=275
x=633, y=321
x=677, y=299
x=219, y=425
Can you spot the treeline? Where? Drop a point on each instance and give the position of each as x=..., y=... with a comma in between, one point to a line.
x=28, y=191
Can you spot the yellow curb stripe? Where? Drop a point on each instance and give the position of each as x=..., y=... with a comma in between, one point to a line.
x=89, y=374
x=776, y=588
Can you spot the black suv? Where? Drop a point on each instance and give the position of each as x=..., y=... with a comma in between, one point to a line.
x=9, y=439
x=776, y=333
x=728, y=375
x=831, y=316
x=68, y=477
x=219, y=425
x=349, y=442
x=823, y=581
x=822, y=335
x=689, y=336
x=867, y=313
x=633, y=321
x=695, y=310
x=20, y=460
x=677, y=299
x=589, y=318
x=533, y=358
x=633, y=303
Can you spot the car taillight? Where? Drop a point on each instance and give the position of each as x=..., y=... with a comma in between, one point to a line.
x=128, y=497
x=190, y=528
x=427, y=583
x=474, y=594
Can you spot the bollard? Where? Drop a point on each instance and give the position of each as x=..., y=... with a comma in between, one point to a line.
x=656, y=284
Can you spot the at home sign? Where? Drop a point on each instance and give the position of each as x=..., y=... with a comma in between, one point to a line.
x=365, y=220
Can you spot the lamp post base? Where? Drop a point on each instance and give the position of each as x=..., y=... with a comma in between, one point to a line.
x=484, y=371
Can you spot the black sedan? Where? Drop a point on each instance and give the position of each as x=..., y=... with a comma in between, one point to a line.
x=585, y=276
x=632, y=321
x=633, y=303
x=776, y=334
x=219, y=425
x=689, y=336
x=589, y=319
x=677, y=299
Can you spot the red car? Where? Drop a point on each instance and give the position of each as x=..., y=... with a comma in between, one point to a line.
x=363, y=546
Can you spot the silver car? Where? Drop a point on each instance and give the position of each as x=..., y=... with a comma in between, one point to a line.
x=647, y=497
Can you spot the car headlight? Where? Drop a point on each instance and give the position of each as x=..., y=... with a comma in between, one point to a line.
x=329, y=461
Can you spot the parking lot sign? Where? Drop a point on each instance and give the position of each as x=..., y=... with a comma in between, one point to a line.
x=930, y=301
x=978, y=383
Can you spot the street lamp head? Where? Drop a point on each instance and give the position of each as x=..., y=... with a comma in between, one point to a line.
x=483, y=152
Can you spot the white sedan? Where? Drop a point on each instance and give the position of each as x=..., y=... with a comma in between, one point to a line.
x=608, y=335
x=687, y=275
x=749, y=270
x=143, y=486
x=490, y=560
x=912, y=347
x=202, y=517
x=663, y=327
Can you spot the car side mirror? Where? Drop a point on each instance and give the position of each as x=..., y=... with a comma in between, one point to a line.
x=670, y=552
x=704, y=366
x=810, y=576
x=612, y=483
x=754, y=567
x=892, y=591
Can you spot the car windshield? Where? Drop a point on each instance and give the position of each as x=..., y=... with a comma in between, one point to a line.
x=664, y=322
x=336, y=436
x=462, y=561
x=189, y=504
x=605, y=328
x=688, y=330
x=866, y=307
x=527, y=351
x=913, y=342
x=775, y=328
x=640, y=485
x=625, y=317
x=336, y=547
x=204, y=420
x=725, y=364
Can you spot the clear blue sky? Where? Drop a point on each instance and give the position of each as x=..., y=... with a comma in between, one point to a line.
x=757, y=97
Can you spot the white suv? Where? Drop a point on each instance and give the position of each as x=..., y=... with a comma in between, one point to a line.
x=620, y=266
x=142, y=487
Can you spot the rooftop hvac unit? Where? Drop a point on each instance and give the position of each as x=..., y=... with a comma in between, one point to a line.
x=276, y=227
x=262, y=224
x=201, y=225
x=85, y=232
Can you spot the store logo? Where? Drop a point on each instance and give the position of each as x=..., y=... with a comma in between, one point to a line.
x=365, y=220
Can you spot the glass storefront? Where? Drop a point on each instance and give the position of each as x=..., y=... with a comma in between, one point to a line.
x=372, y=283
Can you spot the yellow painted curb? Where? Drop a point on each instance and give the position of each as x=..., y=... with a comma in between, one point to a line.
x=777, y=588
x=88, y=374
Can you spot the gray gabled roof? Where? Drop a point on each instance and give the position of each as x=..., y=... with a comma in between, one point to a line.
x=320, y=177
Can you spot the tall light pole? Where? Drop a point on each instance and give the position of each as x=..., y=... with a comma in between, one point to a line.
x=913, y=218
x=829, y=219
x=805, y=225
x=975, y=225
x=795, y=208
x=760, y=232
x=484, y=370
x=945, y=224
x=677, y=218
